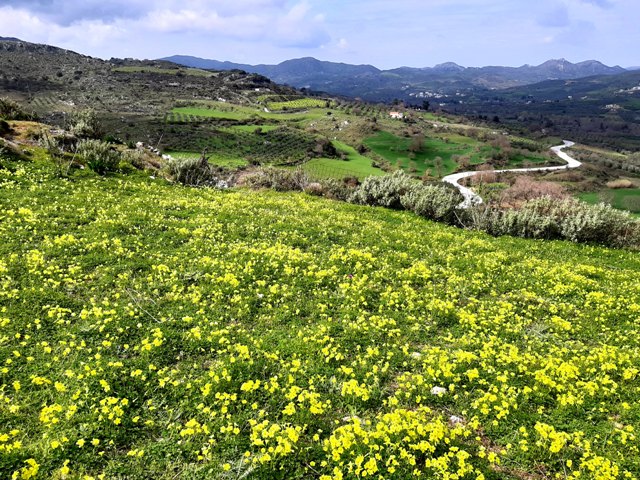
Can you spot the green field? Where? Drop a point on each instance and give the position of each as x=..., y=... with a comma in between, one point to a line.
x=298, y=104
x=621, y=198
x=149, y=330
x=396, y=150
x=237, y=112
x=355, y=165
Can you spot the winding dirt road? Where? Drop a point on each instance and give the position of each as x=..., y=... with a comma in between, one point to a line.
x=471, y=198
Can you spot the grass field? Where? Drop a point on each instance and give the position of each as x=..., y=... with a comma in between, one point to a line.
x=298, y=104
x=149, y=330
x=237, y=112
x=622, y=198
x=356, y=165
x=396, y=150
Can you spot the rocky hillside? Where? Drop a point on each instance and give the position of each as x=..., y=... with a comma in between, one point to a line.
x=48, y=79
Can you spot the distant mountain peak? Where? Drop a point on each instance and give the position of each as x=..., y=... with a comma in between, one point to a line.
x=9, y=39
x=449, y=67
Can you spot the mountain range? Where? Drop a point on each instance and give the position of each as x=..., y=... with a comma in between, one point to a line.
x=371, y=83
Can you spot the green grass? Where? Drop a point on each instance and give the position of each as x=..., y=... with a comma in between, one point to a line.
x=396, y=150
x=355, y=165
x=521, y=160
x=251, y=128
x=228, y=113
x=149, y=330
x=219, y=110
x=621, y=198
x=298, y=104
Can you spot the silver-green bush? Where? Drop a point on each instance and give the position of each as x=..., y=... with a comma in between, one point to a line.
x=437, y=202
x=99, y=156
x=278, y=179
x=568, y=219
x=195, y=172
x=384, y=191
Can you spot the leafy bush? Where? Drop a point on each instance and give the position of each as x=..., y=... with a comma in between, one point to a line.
x=437, y=202
x=135, y=158
x=99, y=156
x=277, y=179
x=384, y=191
x=194, y=172
x=10, y=110
x=337, y=189
x=4, y=127
x=568, y=219
x=85, y=124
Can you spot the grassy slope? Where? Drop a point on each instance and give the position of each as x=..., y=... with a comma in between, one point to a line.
x=395, y=149
x=356, y=165
x=154, y=331
x=622, y=198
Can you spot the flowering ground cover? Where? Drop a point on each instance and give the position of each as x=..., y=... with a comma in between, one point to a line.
x=149, y=330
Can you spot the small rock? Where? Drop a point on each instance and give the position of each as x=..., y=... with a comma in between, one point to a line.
x=350, y=418
x=455, y=420
x=438, y=391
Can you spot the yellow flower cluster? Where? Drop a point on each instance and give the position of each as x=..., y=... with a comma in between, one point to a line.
x=147, y=328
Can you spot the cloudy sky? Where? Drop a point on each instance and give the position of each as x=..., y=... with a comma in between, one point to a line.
x=384, y=33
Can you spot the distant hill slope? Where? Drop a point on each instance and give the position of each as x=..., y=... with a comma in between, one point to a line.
x=601, y=109
x=48, y=78
x=371, y=83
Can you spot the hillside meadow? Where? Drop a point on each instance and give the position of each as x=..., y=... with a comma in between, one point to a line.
x=149, y=330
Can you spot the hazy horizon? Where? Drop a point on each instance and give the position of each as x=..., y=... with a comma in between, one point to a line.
x=410, y=33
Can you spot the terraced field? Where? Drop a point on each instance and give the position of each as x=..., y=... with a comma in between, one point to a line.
x=249, y=145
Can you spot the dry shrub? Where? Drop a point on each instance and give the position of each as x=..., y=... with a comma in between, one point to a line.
x=526, y=188
x=620, y=183
x=486, y=175
x=316, y=189
x=278, y=179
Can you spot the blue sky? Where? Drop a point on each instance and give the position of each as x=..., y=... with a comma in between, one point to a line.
x=383, y=33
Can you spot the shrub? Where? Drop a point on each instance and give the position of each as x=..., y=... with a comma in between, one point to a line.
x=277, y=179
x=437, y=202
x=99, y=156
x=195, y=172
x=384, y=191
x=568, y=219
x=315, y=189
x=135, y=158
x=85, y=124
x=10, y=110
x=620, y=183
x=4, y=127
x=338, y=189
x=526, y=188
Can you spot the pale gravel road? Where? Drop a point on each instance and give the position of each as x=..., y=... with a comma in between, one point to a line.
x=472, y=198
